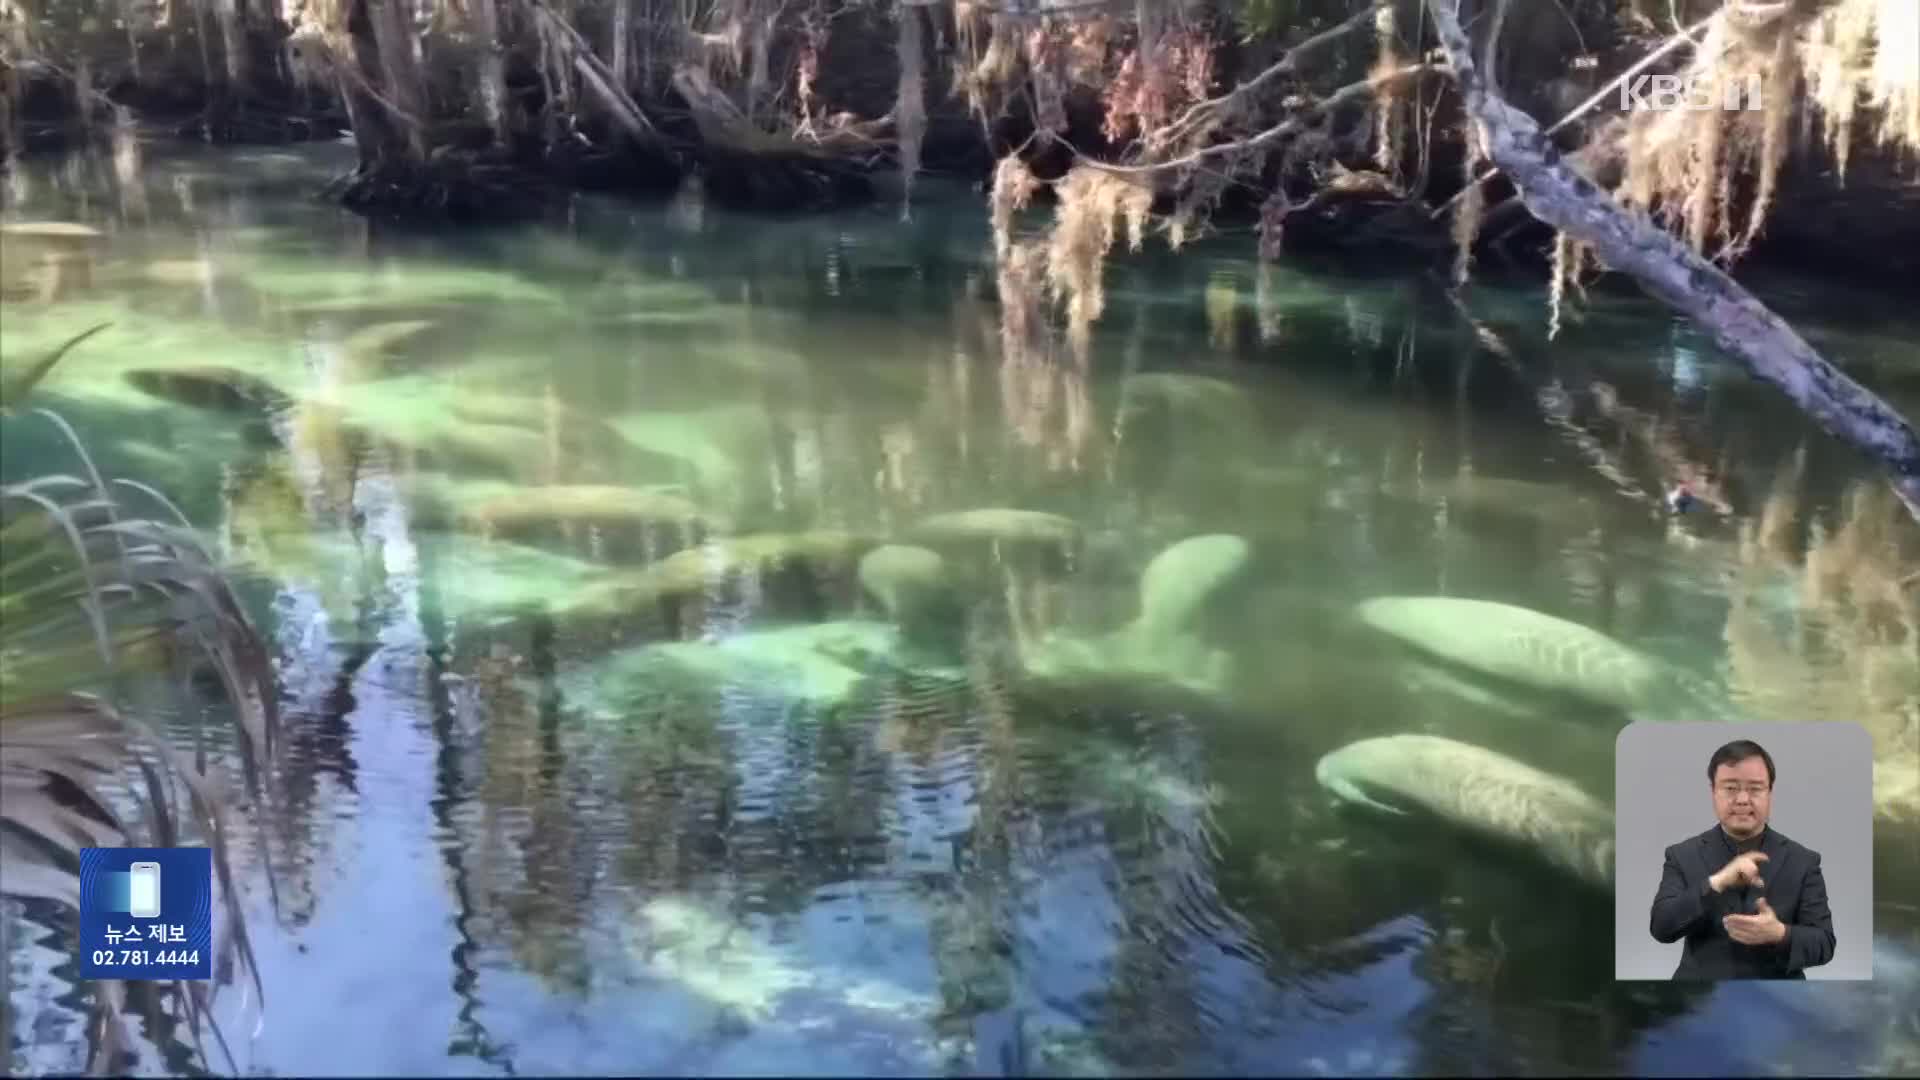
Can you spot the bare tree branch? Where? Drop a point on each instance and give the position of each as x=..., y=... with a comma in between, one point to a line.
x=1206, y=110
x=1293, y=125
x=1030, y=11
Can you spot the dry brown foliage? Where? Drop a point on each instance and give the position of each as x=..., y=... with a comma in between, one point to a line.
x=1152, y=83
x=1037, y=388
x=1388, y=129
x=1684, y=164
x=1569, y=257
x=1037, y=385
x=1467, y=212
x=988, y=57
x=1012, y=191
x=1092, y=204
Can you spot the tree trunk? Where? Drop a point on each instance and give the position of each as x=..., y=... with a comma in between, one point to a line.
x=623, y=44
x=233, y=42
x=1666, y=268
x=493, y=67
x=385, y=138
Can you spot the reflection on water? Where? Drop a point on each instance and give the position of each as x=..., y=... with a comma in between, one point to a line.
x=736, y=645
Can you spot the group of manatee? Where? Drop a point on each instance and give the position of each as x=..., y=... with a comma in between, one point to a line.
x=1456, y=783
x=1482, y=791
x=912, y=581
x=921, y=595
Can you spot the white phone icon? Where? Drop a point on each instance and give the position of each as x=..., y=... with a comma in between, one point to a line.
x=144, y=882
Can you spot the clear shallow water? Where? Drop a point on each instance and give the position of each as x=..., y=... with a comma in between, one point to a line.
x=523, y=844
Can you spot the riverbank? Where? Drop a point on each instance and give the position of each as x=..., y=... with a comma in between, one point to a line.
x=1867, y=231
x=672, y=135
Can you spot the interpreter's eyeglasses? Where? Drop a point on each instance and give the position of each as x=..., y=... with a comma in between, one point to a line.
x=1755, y=791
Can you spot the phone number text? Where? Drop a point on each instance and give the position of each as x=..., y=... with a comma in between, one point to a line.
x=144, y=957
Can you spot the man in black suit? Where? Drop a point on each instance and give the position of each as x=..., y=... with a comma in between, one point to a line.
x=1738, y=922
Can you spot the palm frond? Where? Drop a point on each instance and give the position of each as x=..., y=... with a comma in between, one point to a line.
x=17, y=388
x=89, y=594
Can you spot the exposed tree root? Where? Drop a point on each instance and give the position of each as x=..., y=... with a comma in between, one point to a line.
x=782, y=181
x=452, y=186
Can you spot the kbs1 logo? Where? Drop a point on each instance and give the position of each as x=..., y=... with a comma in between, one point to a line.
x=1679, y=93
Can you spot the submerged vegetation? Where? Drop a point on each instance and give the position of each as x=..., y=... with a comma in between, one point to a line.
x=653, y=603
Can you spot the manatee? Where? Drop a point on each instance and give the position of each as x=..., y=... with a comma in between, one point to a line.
x=51, y=230
x=684, y=940
x=196, y=272
x=1181, y=660
x=503, y=445
x=425, y=414
x=215, y=387
x=721, y=446
x=899, y=575
x=582, y=437
x=378, y=337
x=1422, y=678
x=1480, y=791
x=1160, y=643
x=695, y=570
x=816, y=665
x=1504, y=495
x=996, y=524
x=1202, y=396
x=912, y=584
x=306, y=284
x=1148, y=782
x=1522, y=646
x=1280, y=481
x=507, y=505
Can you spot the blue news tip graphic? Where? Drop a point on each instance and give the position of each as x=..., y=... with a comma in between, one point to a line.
x=146, y=913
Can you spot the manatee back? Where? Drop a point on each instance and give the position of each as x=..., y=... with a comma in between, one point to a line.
x=1486, y=792
x=1519, y=645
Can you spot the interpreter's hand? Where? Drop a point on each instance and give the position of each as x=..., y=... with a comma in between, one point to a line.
x=1742, y=870
x=1762, y=928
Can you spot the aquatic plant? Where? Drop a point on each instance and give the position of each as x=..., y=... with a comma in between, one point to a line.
x=96, y=606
